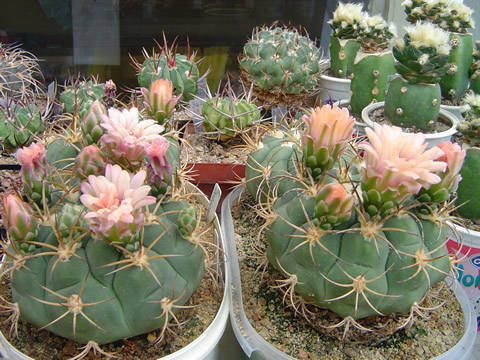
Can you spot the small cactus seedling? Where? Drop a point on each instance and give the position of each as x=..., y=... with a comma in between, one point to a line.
x=359, y=235
x=373, y=65
x=455, y=18
x=283, y=65
x=227, y=115
x=348, y=23
x=108, y=245
x=20, y=73
x=181, y=70
x=413, y=98
x=19, y=124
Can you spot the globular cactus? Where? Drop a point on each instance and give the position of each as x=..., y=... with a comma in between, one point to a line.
x=181, y=70
x=455, y=18
x=20, y=73
x=348, y=23
x=20, y=124
x=422, y=58
x=358, y=237
x=475, y=70
x=79, y=95
x=373, y=65
x=283, y=65
x=108, y=244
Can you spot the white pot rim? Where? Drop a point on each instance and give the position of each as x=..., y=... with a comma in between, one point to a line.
x=428, y=136
x=333, y=78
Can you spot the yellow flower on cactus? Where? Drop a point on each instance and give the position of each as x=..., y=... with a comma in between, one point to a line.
x=328, y=130
x=159, y=100
x=397, y=164
x=115, y=203
x=127, y=136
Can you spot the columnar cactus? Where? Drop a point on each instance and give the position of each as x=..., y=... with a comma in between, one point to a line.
x=283, y=65
x=373, y=65
x=20, y=124
x=106, y=247
x=422, y=58
x=181, y=70
x=20, y=73
x=455, y=18
x=358, y=237
x=348, y=23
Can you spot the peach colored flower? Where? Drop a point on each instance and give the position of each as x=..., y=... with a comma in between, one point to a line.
x=334, y=204
x=31, y=155
x=328, y=127
x=398, y=162
x=115, y=202
x=159, y=100
x=454, y=157
x=127, y=136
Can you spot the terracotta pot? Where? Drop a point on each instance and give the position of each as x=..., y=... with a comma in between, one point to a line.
x=206, y=175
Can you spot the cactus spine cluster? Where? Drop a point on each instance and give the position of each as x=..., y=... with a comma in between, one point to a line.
x=108, y=244
x=348, y=232
x=283, y=65
x=181, y=70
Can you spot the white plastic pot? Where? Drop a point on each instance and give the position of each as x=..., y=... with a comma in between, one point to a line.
x=433, y=138
x=334, y=88
x=256, y=347
x=465, y=244
x=204, y=347
x=454, y=110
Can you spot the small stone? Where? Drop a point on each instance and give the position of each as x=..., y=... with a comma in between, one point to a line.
x=302, y=354
x=151, y=338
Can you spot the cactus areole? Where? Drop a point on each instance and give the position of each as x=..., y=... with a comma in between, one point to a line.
x=364, y=235
x=103, y=249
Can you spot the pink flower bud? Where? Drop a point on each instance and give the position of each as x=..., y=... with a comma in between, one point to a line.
x=334, y=204
x=90, y=161
x=19, y=222
x=90, y=124
x=159, y=100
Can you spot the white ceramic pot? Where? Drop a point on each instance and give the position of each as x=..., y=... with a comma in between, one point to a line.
x=204, y=347
x=255, y=346
x=433, y=138
x=333, y=88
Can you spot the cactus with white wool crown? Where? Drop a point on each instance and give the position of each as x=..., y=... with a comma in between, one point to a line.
x=455, y=18
x=414, y=96
x=109, y=244
x=283, y=65
x=373, y=65
x=181, y=70
x=358, y=235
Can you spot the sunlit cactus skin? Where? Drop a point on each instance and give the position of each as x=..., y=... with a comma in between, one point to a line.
x=344, y=240
x=227, y=117
x=370, y=78
x=93, y=258
x=19, y=125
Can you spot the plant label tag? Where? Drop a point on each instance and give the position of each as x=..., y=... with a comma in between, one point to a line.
x=214, y=199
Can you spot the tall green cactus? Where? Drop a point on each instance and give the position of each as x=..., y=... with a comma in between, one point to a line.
x=345, y=240
x=342, y=56
x=93, y=256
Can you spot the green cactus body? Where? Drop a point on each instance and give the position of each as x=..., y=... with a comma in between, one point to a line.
x=183, y=73
x=321, y=261
x=282, y=64
x=468, y=192
x=456, y=80
x=403, y=108
x=19, y=125
x=228, y=117
x=128, y=300
x=81, y=96
x=342, y=56
x=370, y=77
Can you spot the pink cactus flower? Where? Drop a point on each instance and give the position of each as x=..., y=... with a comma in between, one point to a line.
x=159, y=100
x=454, y=157
x=115, y=203
x=126, y=136
x=157, y=151
x=19, y=219
x=328, y=127
x=398, y=162
x=33, y=156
